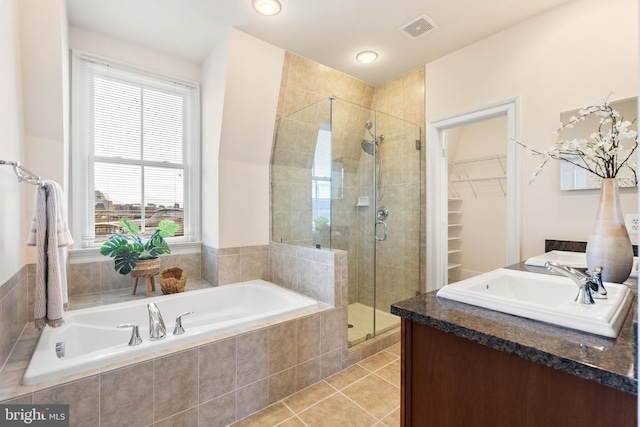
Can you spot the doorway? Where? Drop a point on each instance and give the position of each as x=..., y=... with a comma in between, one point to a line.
x=487, y=179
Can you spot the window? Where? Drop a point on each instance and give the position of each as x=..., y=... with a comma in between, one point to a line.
x=135, y=150
x=321, y=181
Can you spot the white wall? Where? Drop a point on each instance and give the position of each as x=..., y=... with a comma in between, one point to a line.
x=244, y=137
x=557, y=61
x=117, y=50
x=45, y=89
x=11, y=136
x=214, y=77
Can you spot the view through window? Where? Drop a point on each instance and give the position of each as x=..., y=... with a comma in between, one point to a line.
x=137, y=139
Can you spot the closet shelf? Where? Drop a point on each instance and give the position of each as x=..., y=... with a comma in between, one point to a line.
x=452, y=266
x=454, y=251
x=489, y=178
x=478, y=170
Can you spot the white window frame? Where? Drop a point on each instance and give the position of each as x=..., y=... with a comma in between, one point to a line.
x=82, y=194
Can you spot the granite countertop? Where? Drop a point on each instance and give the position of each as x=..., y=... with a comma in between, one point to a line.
x=607, y=361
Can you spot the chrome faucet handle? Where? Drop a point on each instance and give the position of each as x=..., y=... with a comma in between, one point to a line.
x=135, y=334
x=178, y=329
x=596, y=283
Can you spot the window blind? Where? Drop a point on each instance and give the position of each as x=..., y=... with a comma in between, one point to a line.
x=135, y=149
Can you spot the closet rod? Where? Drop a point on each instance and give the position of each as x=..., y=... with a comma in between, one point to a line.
x=23, y=173
x=479, y=159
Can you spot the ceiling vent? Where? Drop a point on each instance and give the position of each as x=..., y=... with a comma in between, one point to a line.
x=418, y=27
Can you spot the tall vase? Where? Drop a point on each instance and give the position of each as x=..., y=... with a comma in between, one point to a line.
x=609, y=246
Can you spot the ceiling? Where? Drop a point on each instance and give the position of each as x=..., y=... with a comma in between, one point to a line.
x=330, y=32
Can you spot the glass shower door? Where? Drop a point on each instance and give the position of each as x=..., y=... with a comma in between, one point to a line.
x=396, y=218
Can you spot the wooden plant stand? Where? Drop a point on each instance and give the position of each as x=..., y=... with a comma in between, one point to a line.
x=147, y=269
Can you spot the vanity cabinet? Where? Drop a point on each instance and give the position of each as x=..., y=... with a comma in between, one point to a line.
x=447, y=380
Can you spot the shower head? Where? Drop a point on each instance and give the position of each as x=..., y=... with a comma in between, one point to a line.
x=368, y=125
x=369, y=147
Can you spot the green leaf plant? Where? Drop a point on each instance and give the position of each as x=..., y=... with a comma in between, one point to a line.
x=129, y=247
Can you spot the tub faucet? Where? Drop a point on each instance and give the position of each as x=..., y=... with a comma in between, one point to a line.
x=587, y=283
x=157, y=330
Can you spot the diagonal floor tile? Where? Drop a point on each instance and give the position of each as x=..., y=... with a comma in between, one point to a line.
x=268, y=417
x=377, y=361
x=347, y=377
x=375, y=395
x=336, y=411
x=309, y=396
x=390, y=372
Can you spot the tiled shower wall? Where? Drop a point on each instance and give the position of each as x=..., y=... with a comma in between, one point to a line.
x=305, y=83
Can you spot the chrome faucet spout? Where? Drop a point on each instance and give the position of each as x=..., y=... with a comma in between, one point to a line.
x=587, y=283
x=157, y=330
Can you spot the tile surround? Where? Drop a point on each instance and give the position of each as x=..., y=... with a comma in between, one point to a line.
x=232, y=377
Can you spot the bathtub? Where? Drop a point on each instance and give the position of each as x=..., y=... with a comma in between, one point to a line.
x=91, y=337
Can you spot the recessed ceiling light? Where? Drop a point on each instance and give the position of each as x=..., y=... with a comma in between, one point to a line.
x=367, y=56
x=267, y=7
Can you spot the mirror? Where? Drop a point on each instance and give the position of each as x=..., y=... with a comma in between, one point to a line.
x=575, y=178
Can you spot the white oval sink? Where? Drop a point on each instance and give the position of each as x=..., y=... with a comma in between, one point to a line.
x=543, y=297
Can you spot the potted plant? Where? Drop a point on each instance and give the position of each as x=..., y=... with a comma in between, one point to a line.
x=604, y=155
x=129, y=249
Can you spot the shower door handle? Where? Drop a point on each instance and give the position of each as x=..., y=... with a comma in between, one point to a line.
x=384, y=236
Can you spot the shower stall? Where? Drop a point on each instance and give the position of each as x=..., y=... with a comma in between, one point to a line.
x=347, y=177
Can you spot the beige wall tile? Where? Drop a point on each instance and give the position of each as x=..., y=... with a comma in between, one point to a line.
x=217, y=369
x=331, y=363
x=308, y=338
x=83, y=278
x=251, y=266
x=175, y=383
x=218, y=412
x=282, y=346
x=253, y=357
x=331, y=333
x=252, y=398
x=229, y=269
x=110, y=278
x=83, y=400
x=308, y=373
x=188, y=418
x=282, y=384
x=126, y=395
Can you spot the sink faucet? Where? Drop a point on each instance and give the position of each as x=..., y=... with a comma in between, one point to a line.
x=157, y=330
x=587, y=283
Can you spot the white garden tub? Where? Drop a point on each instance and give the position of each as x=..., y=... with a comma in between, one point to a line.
x=91, y=337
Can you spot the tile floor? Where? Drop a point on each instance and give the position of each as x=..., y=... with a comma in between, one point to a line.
x=365, y=394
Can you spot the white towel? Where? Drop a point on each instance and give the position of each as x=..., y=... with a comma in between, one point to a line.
x=50, y=234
